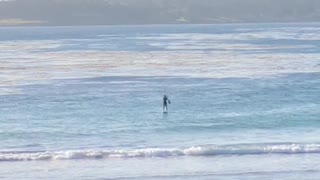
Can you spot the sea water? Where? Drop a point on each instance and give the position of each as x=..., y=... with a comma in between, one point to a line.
x=86, y=102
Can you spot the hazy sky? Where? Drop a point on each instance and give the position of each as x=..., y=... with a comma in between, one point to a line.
x=101, y=12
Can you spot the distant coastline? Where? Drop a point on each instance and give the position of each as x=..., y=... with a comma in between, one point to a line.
x=146, y=12
x=35, y=23
x=21, y=22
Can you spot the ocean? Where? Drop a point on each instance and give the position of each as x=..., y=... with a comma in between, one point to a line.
x=86, y=102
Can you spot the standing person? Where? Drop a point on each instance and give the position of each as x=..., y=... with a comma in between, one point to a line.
x=165, y=103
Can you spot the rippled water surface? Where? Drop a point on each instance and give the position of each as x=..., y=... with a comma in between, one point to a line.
x=85, y=102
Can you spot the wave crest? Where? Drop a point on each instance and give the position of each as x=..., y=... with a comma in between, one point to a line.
x=161, y=152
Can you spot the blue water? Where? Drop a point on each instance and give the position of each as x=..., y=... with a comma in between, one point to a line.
x=89, y=99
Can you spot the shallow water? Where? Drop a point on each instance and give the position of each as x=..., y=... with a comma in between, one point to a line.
x=85, y=102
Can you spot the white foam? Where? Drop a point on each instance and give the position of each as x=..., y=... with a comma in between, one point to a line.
x=241, y=34
x=21, y=45
x=247, y=149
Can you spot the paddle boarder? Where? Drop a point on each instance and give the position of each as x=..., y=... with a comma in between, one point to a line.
x=165, y=103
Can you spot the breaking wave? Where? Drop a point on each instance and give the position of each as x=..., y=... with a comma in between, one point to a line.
x=248, y=149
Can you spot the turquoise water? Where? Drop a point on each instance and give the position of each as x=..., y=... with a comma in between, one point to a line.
x=85, y=102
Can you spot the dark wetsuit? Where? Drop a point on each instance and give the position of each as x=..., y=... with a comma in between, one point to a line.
x=165, y=103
